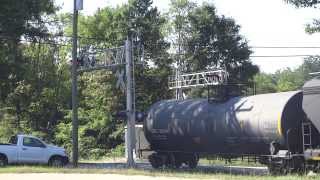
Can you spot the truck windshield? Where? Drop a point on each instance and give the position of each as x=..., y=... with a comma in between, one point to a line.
x=13, y=140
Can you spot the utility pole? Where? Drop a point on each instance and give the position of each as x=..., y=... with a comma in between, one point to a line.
x=130, y=135
x=75, y=123
x=179, y=93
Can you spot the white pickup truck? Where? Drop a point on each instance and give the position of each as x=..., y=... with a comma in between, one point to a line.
x=25, y=149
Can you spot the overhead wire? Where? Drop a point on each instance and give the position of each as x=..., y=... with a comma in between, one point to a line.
x=173, y=44
x=285, y=47
x=52, y=42
x=282, y=56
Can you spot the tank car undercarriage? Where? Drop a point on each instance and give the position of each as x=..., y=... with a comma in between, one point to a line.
x=285, y=162
x=281, y=163
x=173, y=159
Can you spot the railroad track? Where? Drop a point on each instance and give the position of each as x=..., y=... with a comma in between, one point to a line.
x=236, y=170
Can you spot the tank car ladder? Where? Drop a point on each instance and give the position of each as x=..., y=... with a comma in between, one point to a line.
x=306, y=135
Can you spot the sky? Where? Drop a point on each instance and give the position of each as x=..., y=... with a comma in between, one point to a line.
x=266, y=23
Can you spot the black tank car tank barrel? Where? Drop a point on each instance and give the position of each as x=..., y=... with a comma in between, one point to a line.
x=241, y=125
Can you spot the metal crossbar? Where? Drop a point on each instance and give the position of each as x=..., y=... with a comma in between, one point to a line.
x=92, y=59
x=199, y=79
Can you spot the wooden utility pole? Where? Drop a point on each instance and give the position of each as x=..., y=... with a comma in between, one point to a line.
x=130, y=135
x=75, y=122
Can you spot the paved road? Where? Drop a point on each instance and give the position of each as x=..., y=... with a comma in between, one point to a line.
x=78, y=177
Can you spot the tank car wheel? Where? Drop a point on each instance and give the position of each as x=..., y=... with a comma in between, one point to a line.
x=274, y=148
x=172, y=161
x=298, y=165
x=273, y=170
x=155, y=164
x=192, y=162
x=155, y=161
x=178, y=164
x=285, y=170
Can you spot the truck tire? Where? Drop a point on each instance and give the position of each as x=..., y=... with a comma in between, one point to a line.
x=56, y=161
x=3, y=161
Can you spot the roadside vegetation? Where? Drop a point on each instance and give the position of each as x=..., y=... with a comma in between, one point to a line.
x=152, y=173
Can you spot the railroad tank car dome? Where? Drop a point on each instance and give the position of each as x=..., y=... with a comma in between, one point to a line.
x=198, y=125
x=311, y=101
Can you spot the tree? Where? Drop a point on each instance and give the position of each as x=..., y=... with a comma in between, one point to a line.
x=216, y=42
x=265, y=83
x=208, y=40
x=151, y=80
x=310, y=65
x=315, y=26
x=179, y=29
x=18, y=19
x=24, y=17
x=304, y=3
x=287, y=79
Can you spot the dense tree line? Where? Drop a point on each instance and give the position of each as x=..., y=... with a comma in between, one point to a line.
x=287, y=79
x=35, y=86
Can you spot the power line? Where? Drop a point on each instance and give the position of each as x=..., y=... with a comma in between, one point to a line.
x=48, y=35
x=55, y=43
x=282, y=56
x=285, y=47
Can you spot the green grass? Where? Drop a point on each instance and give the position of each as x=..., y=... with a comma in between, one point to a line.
x=152, y=173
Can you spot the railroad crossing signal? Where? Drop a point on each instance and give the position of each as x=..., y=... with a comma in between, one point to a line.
x=92, y=59
x=115, y=59
x=120, y=80
x=182, y=81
